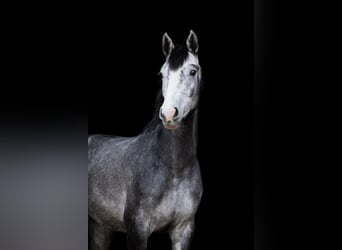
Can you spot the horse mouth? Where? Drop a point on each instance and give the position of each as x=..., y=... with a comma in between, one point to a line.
x=170, y=125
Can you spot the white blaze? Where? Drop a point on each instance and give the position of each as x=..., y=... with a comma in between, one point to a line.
x=174, y=89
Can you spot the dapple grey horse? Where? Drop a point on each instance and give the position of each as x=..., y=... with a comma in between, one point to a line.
x=151, y=182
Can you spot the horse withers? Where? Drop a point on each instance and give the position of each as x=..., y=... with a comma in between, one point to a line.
x=151, y=182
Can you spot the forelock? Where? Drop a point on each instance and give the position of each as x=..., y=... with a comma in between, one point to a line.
x=177, y=57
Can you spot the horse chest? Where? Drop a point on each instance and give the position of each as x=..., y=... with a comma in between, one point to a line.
x=177, y=205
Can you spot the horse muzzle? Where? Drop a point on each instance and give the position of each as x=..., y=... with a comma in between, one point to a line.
x=170, y=118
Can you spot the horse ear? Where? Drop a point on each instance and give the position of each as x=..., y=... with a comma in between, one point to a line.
x=192, y=42
x=167, y=44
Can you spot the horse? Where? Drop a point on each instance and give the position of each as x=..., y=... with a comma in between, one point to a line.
x=151, y=182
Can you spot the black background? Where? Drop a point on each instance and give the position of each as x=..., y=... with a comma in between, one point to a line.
x=126, y=56
x=64, y=65
x=295, y=127
x=59, y=61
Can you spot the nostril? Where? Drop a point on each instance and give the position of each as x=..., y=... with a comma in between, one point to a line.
x=176, y=113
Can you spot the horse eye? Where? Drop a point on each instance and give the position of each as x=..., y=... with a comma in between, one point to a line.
x=193, y=72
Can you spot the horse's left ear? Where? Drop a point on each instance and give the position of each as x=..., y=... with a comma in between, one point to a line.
x=192, y=42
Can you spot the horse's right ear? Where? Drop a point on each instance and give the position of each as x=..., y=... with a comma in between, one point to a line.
x=167, y=44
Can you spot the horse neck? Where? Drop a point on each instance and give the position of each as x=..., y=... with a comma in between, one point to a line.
x=179, y=146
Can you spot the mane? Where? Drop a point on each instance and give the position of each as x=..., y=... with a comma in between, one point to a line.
x=155, y=118
x=177, y=57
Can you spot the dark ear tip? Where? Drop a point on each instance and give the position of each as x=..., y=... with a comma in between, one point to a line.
x=166, y=36
x=192, y=33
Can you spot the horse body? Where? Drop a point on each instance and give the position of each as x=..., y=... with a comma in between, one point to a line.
x=146, y=183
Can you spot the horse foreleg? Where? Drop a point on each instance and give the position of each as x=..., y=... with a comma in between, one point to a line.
x=181, y=235
x=137, y=234
x=100, y=236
